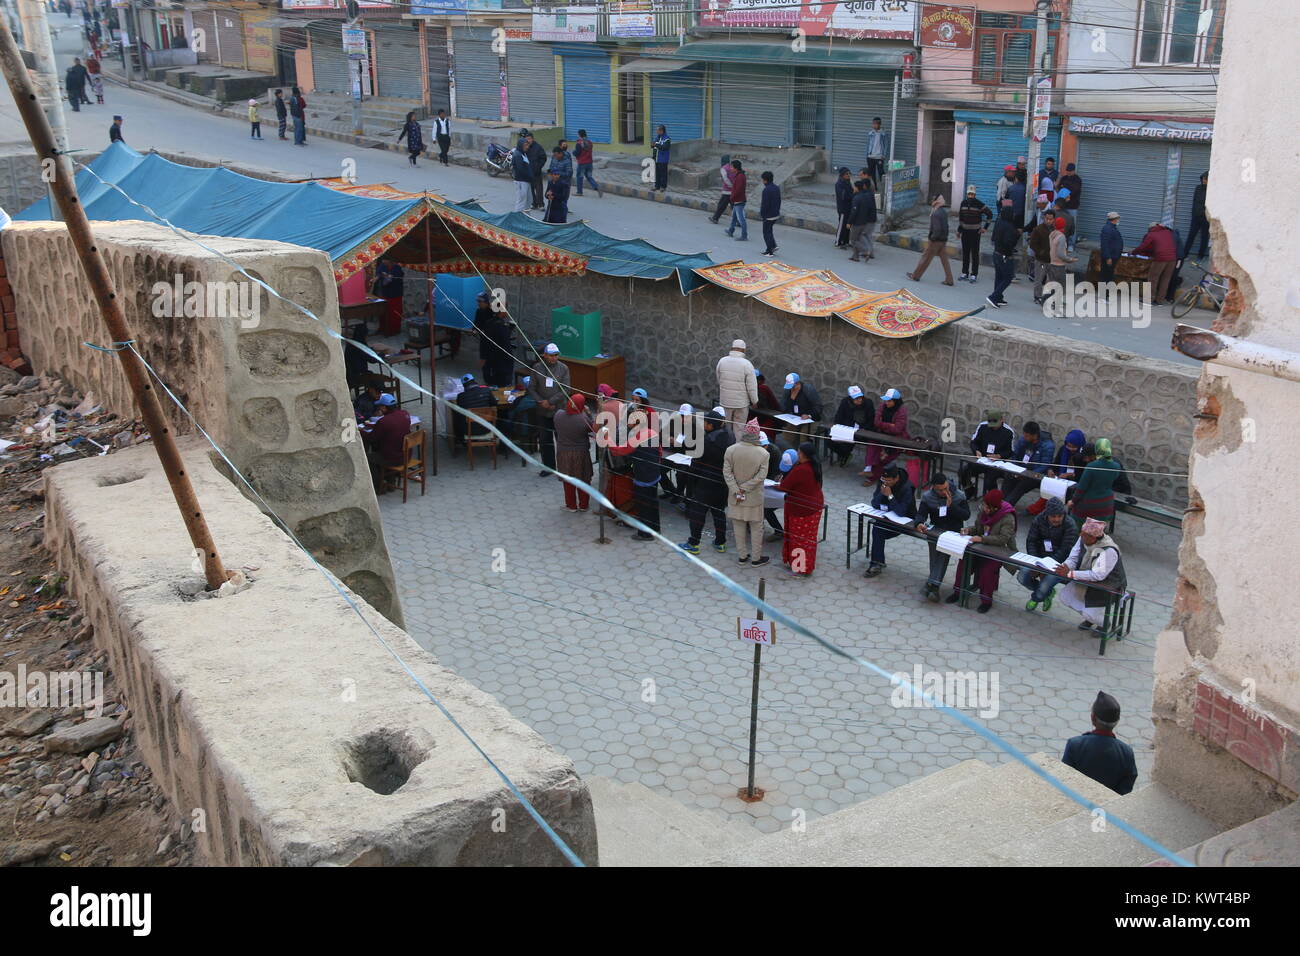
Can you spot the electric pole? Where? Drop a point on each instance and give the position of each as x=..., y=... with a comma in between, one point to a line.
x=1041, y=68
x=36, y=32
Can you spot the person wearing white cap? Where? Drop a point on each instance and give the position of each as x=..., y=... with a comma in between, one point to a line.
x=737, y=386
x=549, y=388
x=800, y=399
x=682, y=427
x=856, y=410
x=891, y=419
x=1112, y=246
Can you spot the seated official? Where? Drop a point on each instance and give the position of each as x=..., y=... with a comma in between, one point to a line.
x=993, y=439
x=1052, y=534
x=384, y=443
x=474, y=395
x=856, y=410
x=1034, y=451
x=367, y=403
x=1099, y=754
x=943, y=507
x=893, y=493
x=1094, y=563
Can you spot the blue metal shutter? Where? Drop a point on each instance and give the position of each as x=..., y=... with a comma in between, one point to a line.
x=530, y=82
x=677, y=101
x=1127, y=176
x=397, y=59
x=857, y=97
x=994, y=140
x=755, y=104
x=478, y=73
x=586, y=96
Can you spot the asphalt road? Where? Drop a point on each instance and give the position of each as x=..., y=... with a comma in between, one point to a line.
x=151, y=121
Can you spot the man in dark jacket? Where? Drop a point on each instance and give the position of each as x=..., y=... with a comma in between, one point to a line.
x=973, y=219
x=115, y=131
x=1200, y=222
x=1034, y=451
x=843, y=206
x=1099, y=754
x=993, y=439
x=521, y=171
x=475, y=395
x=1051, y=535
x=537, y=161
x=281, y=113
x=937, y=244
x=298, y=111
x=1006, y=236
x=75, y=81
x=495, y=345
x=894, y=493
x=769, y=210
x=1074, y=183
x=1112, y=246
x=862, y=221
x=706, y=488
x=857, y=410
x=943, y=508
x=644, y=450
x=1040, y=253
x=800, y=399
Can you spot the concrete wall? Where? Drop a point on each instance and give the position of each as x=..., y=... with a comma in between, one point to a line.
x=274, y=718
x=1227, y=695
x=272, y=395
x=672, y=344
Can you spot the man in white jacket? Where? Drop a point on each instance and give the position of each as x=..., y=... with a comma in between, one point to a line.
x=737, y=386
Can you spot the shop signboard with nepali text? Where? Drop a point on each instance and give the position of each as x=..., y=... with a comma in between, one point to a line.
x=1142, y=129
x=945, y=27
x=856, y=19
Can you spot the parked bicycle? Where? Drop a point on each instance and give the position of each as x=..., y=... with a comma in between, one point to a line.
x=1213, y=286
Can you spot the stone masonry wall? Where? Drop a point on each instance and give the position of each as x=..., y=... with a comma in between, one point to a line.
x=671, y=344
x=270, y=390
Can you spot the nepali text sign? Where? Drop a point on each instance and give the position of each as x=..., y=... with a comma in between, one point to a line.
x=857, y=19
x=565, y=24
x=354, y=43
x=1142, y=129
x=905, y=188
x=947, y=27
x=874, y=19
x=632, y=24
x=756, y=631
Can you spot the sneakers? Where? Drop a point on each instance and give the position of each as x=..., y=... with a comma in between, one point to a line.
x=1086, y=626
x=759, y=562
x=1047, y=603
x=689, y=548
x=989, y=300
x=720, y=547
x=1031, y=605
x=873, y=570
x=572, y=511
x=964, y=277
x=744, y=560
x=931, y=593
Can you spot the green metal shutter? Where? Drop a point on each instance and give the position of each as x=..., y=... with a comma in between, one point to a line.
x=530, y=82
x=858, y=96
x=436, y=45
x=586, y=97
x=755, y=104
x=398, y=64
x=329, y=67
x=1127, y=176
x=478, y=74
x=677, y=101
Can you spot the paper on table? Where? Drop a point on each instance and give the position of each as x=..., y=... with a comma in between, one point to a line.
x=1054, y=487
x=679, y=459
x=950, y=542
x=792, y=419
x=843, y=432
x=1004, y=465
x=896, y=517
x=1047, y=564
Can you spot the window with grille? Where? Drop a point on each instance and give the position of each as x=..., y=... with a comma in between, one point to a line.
x=1004, y=47
x=1180, y=33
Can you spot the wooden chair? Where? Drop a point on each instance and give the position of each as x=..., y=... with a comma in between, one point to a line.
x=478, y=437
x=413, y=462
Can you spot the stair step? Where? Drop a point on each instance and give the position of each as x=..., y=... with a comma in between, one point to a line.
x=635, y=826
x=1075, y=842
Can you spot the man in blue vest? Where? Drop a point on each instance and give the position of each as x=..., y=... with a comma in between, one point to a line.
x=1099, y=754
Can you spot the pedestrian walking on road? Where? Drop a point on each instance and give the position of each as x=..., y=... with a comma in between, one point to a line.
x=769, y=210
x=1005, y=238
x=254, y=121
x=661, y=149
x=1200, y=222
x=414, y=137
x=937, y=244
x=862, y=221
x=97, y=87
x=281, y=113
x=115, y=132
x=843, y=206
x=973, y=218
x=584, y=154
x=738, y=203
x=442, y=133
x=725, y=174
x=75, y=81
x=298, y=110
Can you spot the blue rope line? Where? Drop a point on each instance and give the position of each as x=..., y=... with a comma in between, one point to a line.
x=740, y=591
x=115, y=347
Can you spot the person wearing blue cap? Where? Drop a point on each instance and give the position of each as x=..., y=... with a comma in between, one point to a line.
x=804, y=502
x=384, y=443
x=891, y=419
x=473, y=395
x=801, y=399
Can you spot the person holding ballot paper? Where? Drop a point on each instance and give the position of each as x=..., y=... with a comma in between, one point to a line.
x=994, y=440
x=943, y=508
x=995, y=525
x=1051, y=536
x=1033, y=451
x=802, y=402
x=895, y=494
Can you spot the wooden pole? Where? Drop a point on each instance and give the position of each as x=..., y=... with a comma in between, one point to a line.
x=101, y=284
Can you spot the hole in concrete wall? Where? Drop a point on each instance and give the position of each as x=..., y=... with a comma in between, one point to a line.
x=382, y=760
x=123, y=479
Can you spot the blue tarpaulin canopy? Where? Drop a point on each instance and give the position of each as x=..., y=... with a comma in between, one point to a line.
x=355, y=226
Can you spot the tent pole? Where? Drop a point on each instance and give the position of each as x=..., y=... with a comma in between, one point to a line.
x=433, y=346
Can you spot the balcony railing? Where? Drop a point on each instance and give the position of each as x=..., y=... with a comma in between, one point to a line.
x=632, y=20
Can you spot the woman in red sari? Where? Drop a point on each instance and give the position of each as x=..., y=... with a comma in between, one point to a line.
x=802, y=486
x=616, y=472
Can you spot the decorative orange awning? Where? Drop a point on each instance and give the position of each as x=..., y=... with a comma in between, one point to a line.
x=899, y=315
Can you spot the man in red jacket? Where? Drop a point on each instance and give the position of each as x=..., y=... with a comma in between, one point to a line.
x=1161, y=248
x=738, y=203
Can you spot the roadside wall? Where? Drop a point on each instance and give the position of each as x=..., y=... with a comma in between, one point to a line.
x=672, y=343
x=274, y=718
x=270, y=389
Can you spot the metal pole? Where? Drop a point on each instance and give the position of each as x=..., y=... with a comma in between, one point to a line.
x=888, y=185
x=753, y=704
x=101, y=283
x=1035, y=148
x=36, y=30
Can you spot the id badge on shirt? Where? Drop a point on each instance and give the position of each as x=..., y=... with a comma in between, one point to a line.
x=991, y=449
x=550, y=383
x=943, y=511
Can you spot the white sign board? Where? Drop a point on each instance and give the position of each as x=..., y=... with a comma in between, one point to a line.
x=354, y=43
x=565, y=24
x=756, y=631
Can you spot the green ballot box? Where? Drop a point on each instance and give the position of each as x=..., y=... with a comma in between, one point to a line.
x=578, y=336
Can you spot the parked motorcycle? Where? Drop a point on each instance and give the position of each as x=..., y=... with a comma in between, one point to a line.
x=497, y=158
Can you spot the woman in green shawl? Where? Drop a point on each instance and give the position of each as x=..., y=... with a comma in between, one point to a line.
x=1094, y=496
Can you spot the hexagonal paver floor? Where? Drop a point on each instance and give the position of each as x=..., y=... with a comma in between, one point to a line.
x=625, y=656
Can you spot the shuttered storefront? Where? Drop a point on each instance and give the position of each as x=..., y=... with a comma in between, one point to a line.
x=259, y=43
x=994, y=140
x=530, y=82
x=399, y=65
x=329, y=67
x=1195, y=160
x=1127, y=176
x=435, y=43
x=755, y=104
x=478, y=76
x=230, y=39
x=205, y=21
x=677, y=101
x=858, y=96
x=586, y=94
